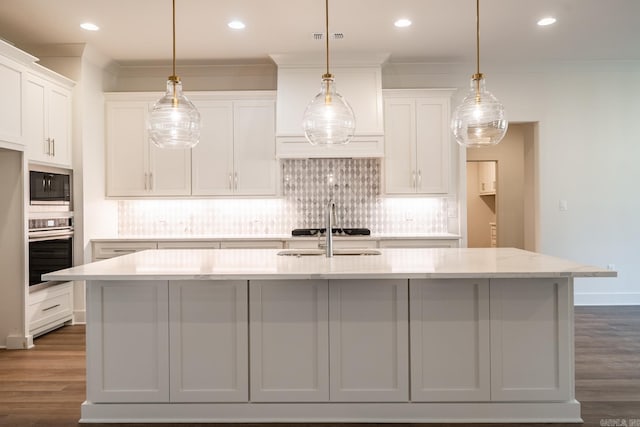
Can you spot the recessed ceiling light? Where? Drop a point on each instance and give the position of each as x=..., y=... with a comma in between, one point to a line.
x=89, y=26
x=236, y=25
x=402, y=23
x=547, y=21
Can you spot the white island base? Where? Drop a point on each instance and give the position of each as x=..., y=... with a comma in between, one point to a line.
x=412, y=335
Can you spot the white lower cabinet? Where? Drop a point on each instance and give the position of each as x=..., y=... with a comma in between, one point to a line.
x=208, y=335
x=530, y=328
x=128, y=341
x=368, y=341
x=449, y=340
x=50, y=308
x=289, y=340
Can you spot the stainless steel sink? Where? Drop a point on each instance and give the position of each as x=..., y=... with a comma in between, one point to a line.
x=336, y=252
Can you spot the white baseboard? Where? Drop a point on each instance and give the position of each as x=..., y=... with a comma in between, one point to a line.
x=19, y=342
x=607, y=298
x=79, y=317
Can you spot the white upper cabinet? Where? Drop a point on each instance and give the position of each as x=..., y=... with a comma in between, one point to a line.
x=487, y=178
x=136, y=167
x=10, y=102
x=417, y=141
x=47, y=125
x=236, y=153
x=358, y=80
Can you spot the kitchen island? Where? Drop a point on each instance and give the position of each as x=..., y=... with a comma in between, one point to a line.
x=408, y=335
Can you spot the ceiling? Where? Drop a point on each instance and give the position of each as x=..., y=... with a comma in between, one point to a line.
x=139, y=31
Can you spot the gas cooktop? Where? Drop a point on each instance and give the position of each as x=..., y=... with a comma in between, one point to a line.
x=335, y=231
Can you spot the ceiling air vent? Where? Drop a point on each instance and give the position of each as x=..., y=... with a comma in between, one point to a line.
x=334, y=36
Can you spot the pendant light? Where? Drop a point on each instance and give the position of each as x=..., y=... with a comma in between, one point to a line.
x=328, y=119
x=174, y=122
x=479, y=121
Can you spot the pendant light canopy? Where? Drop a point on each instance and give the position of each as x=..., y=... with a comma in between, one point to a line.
x=328, y=119
x=174, y=122
x=479, y=121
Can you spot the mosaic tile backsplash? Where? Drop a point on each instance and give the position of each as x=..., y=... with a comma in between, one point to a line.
x=307, y=186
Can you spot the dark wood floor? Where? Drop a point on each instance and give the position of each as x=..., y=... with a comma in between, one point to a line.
x=45, y=386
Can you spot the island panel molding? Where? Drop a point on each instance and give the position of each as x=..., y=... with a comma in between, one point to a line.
x=208, y=332
x=450, y=342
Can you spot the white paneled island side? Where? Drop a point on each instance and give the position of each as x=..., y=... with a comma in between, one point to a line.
x=409, y=335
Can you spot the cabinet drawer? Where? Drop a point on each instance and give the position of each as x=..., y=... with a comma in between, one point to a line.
x=105, y=250
x=417, y=243
x=49, y=307
x=188, y=245
x=252, y=244
x=344, y=243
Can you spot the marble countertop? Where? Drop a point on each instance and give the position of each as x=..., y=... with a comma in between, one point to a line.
x=253, y=264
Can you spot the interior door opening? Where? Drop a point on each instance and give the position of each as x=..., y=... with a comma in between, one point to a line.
x=502, y=202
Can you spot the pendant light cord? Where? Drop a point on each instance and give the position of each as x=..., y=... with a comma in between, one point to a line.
x=174, y=38
x=326, y=33
x=477, y=37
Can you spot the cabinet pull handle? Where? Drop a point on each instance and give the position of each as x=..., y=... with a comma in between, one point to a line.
x=51, y=308
x=146, y=177
x=53, y=144
x=44, y=184
x=127, y=251
x=230, y=183
x=151, y=181
x=236, y=181
x=413, y=179
x=419, y=179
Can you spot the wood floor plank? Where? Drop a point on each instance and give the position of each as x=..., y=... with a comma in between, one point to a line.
x=44, y=386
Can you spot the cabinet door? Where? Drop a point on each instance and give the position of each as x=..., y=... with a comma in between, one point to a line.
x=432, y=145
x=212, y=158
x=487, y=177
x=289, y=340
x=368, y=330
x=449, y=340
x=127, y=148
x=127, y=341
x=59, y=108
x=531, y=336
x=209, y=341
x=254, y=147
x=400, y=145
x=35, y=126
x=11, y=110
x=169, y=171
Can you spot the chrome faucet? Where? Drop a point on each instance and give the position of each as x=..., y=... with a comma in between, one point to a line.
x=330, y=213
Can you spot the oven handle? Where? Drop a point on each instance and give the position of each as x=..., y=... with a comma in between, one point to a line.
x=42, y=238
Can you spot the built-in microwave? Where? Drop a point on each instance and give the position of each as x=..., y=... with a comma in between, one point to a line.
x=48, y=188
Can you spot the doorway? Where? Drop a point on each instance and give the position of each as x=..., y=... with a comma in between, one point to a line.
x=502, y=191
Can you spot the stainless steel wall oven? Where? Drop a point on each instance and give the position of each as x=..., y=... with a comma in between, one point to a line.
x=50, y=246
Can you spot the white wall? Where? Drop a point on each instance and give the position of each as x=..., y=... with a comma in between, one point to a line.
x=588, y=148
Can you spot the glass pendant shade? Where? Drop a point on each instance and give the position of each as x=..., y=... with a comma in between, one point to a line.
x=328, y=119
x=174, y=122
x=480, y=120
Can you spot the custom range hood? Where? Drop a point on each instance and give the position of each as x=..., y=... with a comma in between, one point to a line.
x=358, y=78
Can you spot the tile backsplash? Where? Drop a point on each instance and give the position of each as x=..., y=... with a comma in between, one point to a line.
x=307, y=186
